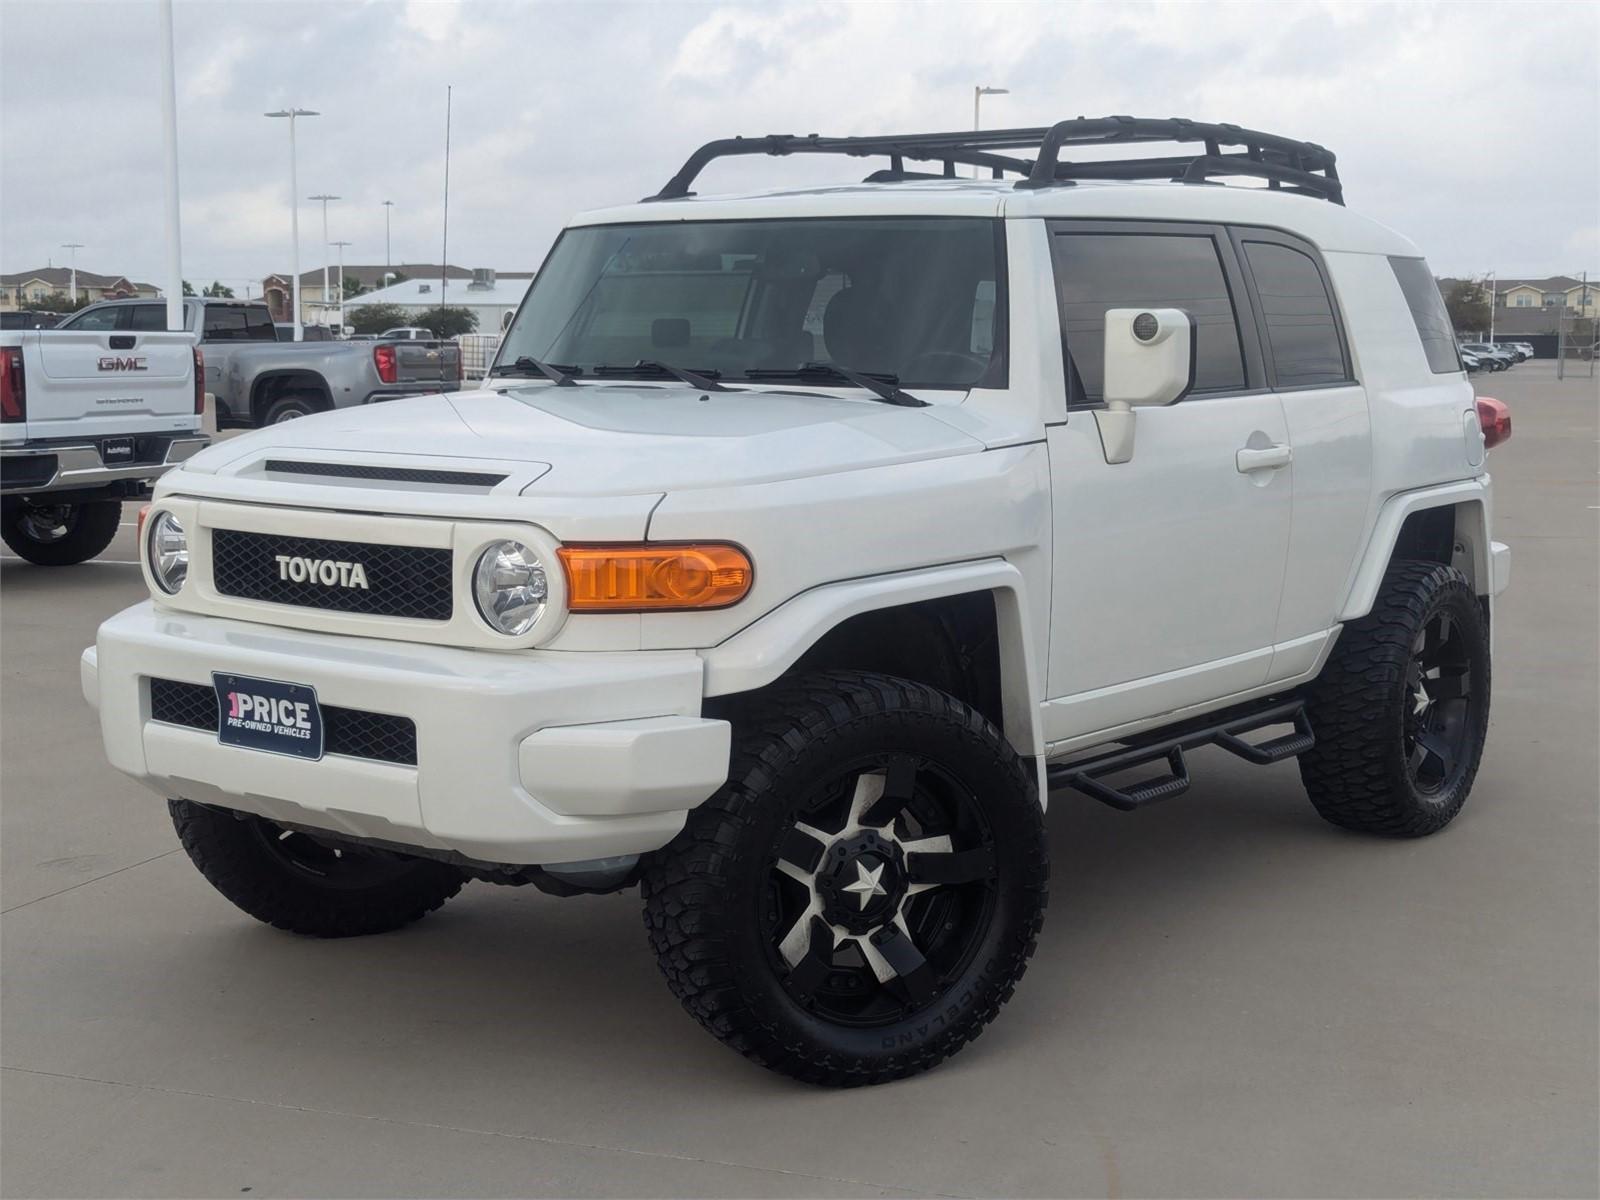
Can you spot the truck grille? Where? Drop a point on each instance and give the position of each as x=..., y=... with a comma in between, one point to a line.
x=351, y=732
x=402, y=581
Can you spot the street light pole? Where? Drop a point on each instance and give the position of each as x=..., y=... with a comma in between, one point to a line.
x=72, y=249
x=978, y=93
x=325, y=244
x=341, y=246
x=169, y=139
x=294, y=209
x=388, y=208
x=1491, y=307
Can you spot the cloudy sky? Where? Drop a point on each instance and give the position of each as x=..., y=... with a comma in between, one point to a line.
x=1469, y=126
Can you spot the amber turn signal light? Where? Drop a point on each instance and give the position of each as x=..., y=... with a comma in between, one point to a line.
x=655, y=577
x=144, y=512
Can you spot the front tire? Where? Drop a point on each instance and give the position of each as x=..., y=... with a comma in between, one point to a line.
x=1401, y=709
x=298, y=883
x=860, y=898
x=59, y=535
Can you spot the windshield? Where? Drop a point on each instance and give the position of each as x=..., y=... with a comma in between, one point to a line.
x=920, y=299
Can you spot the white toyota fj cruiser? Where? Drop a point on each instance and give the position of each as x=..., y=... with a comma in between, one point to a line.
x=798, y=543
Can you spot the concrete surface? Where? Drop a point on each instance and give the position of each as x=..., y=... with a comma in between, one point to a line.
x=1230, y=999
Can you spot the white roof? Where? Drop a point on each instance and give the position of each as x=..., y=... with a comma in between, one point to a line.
x=506, y=293
x=1328, y=225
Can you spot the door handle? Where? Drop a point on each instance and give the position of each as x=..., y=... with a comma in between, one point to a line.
x=1268, y=458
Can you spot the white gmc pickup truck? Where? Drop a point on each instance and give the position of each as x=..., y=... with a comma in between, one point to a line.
x=89, y=419
x=798, y=543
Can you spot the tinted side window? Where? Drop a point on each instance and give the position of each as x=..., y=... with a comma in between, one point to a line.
x=258, y=324
x=225, y=324
x=1097, y=271
x=1302, y=332
x=1429, y=313
x=99, y=319
x=148, y=317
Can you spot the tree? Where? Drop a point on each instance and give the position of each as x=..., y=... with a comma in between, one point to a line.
x=188, y=288
x=375, y=318
x=57, y=302
x=1467, y=302
x=218, y=290
x=352, y=286
x=447, y=321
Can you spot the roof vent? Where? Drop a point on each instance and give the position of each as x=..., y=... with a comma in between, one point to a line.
x=482, y=279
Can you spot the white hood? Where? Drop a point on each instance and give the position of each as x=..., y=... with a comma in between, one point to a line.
x=623, y=439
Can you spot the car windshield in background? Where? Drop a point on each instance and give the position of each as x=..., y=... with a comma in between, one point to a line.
x=913, y=298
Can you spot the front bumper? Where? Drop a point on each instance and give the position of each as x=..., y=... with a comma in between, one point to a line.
x=36, y=468
x=528, y=757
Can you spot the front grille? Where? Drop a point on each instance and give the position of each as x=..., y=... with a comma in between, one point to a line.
x=402, y=581
x=481, y=479
x=351, y=732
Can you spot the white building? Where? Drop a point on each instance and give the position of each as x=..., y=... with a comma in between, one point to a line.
x=493, y=297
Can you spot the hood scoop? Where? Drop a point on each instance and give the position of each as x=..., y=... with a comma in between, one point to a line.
x=357, y=473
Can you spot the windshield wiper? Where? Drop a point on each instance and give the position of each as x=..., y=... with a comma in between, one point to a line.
x=706, y=381
x=885, y=387
x=560, y=376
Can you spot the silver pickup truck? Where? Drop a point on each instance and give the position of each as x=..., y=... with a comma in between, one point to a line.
x=259, y=380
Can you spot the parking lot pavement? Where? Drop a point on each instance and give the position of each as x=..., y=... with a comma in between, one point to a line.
x=1230, y=997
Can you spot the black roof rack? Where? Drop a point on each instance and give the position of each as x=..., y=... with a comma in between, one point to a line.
x=1229, y=151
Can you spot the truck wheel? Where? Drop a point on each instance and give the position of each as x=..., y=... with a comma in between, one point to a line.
x=59, y=535
x=1401, y=709
x=296, y=882
x=291, y=407
x=860, y=898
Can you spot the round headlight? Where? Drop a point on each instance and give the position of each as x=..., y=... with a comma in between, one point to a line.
x=168, y=552
x=510, y=587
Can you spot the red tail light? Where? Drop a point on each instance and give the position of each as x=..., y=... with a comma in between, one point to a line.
x=13, y=385
x=387, y=360
x=199, y=383
x=1495, y=418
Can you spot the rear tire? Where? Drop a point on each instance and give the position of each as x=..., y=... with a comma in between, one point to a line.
x=295, y=882
x=292, y=407
x=1401, y=709
x=860, y=898
x=59, y=535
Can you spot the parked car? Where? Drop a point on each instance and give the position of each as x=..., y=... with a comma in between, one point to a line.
x=407, y=333
x=308, y=333
x=1471, y=362
x=89, y=419
x=1496, y=358
x=27, y=318
x=797, y=543
x=1522, y=350
x=258, y=379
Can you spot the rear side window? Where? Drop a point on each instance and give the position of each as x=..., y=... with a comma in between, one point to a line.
x=1097, y=271
x=1302, y=332
x=1429, y=314
x=147, y=317
x=237, y=323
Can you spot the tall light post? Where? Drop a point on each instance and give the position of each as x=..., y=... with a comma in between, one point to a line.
x=341, y=246
x=294, y=209
x=978, y=93
x=388, y=208
x=325, y=244
x=72, y=249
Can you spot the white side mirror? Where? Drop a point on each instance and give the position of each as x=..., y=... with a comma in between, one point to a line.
x=1149, y=360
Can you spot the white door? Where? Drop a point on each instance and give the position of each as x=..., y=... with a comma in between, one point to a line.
x=1169, y=568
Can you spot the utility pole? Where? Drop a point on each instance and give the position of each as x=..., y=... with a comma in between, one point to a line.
x=444, y=252
x=341, y=246
x=1491, y=307
x=388, y=208
x=294, y=211
x=72, y=249
x=325, y=244
x=978, y=93
x=169, y=131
